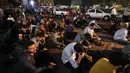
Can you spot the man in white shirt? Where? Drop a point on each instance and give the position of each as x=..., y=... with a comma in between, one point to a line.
x=121, y=34
x=90, y=29
x=39, y=39
x=69, y=57
x=72, y=56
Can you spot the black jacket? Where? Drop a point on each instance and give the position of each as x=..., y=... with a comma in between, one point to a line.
x=28, y=64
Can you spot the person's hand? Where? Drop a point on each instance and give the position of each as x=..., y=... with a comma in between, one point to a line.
x=81, y=55
x=90, y=46
x=90, y=58
x=51, y=63
x=99, y=38
x=46, y=35
x=50, y=66
x=45, y=49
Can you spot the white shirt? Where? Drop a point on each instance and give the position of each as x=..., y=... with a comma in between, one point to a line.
x=54, y=38
x=69, y=55
x=36, y=42
x=11, y=18
x=89, y=30
x=126, y=12
x=121, y=34
x=114, y=12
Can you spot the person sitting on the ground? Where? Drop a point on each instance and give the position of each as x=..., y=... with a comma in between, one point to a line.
x=79, y=36
x=27, y=60
x=62, y=24
x=122, y=34
x=69, y=28
x=80, y=21
x=86, y=42
x=104, y=65
x=46, y=25
x=94, y=37
x=90, y=29
x=52, y=41
x=67, y=20
x=73, y=55
x=39, y=40
x=68, y=55
x=68, y=37
x=55, y=37
x=53, y=25
x=113, y=27
x=126, y=17
x=24, y=33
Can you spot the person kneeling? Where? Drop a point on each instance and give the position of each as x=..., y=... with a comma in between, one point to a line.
x=121, y=34
x=74, y=57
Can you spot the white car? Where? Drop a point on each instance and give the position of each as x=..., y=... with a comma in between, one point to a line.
x=61, y=12
x=97, y=13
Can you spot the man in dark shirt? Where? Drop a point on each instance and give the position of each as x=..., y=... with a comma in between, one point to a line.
x=28, y=62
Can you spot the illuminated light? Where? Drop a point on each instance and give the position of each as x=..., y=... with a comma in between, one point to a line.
x=32, y=3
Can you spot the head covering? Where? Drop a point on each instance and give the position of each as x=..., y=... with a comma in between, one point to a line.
x=125, y=25
x=95, y=22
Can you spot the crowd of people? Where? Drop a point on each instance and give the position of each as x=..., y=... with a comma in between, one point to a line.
x=36, y=33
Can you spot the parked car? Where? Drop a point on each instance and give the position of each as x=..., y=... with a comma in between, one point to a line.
x=119, y=15
x=97, y=13
x=61, y=12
